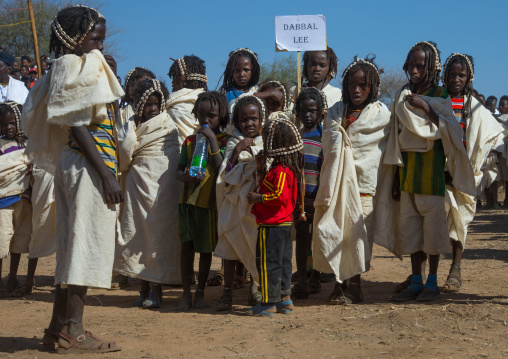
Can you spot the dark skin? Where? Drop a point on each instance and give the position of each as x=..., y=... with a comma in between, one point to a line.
x=249, y=125
x=177, y=84
x=15, y=65
x=274, y=98
x=151, y=109
x=207, y=114
x=69, y=303
x=457, y=80
x=503, y=107
x=318, y=68
x=5, y=70
x=24, y=71
x=242, y=73
x=417, y=72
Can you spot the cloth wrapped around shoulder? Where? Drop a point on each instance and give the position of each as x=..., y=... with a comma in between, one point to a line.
x=339, y=240
x=236, y=224
x=179, y=106
x=150, y=246
x=73, y=93
x=413, y=131
x=13, y=178
x=483, y=134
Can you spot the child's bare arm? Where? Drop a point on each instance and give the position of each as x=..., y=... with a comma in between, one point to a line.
x=418, y=102
x=110, y=186
x=214, y=146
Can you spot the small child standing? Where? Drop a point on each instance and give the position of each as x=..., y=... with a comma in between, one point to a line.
x=15, y=206
x=198, y=205
x=273, y=208
x=310, y=109
x=237, y=177
x=149, y=213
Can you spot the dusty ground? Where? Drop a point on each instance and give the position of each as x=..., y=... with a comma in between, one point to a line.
x=469, y=324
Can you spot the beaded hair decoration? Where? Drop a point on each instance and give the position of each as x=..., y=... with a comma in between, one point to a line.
x=17, y=113
x=140, y=105
x=128, y=76
x=363, y=61
x=246, y=50
x=470, y=68
x=438, y=59
x=325, y=103
x=285, y=107
x=73, y=42
x=280, y=117
x=188, y=77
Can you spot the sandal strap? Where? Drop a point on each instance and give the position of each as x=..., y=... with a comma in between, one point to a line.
x=454, y=277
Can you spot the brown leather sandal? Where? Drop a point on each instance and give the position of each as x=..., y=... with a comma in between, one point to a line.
x=74, y=345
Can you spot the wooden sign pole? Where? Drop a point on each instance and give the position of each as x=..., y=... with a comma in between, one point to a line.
x=299, y=72
x=34, y=34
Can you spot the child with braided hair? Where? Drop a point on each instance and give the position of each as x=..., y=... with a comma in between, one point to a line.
x=197, y=218
x=424, y=137
x=70, y=118
x=237, y=177
x=319, y=68
x=189, y=79
x=310, y=110
x=273, y=208
x=151, y=193
x=275, y=96
x=367, y=125
x=15, y=206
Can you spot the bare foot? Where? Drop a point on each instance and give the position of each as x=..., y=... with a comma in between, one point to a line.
x=199, y=300
x=186, y=303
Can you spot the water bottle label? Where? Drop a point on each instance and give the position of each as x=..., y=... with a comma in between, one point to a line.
x=198, y=161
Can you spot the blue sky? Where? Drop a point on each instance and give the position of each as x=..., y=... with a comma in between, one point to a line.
x=155, y=30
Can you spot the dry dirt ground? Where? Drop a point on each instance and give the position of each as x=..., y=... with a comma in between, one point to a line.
x=469, y=324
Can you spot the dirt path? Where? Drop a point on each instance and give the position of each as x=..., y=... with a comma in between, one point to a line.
x=469, y=324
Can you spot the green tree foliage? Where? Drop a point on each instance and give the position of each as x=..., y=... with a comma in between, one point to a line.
x=283, y=69
x=17, y=40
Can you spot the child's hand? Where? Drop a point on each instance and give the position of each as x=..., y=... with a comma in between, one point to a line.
x=418, y=102
x=254, y=197
x=274, y=94
x=244, y=144
x=259, y=161
x=191, y=179
x=448, y=178
x=112, y=190
x=208, y=133
x=29, y=170
x=111, y=62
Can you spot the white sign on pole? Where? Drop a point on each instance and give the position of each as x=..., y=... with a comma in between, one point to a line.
x=300, y=33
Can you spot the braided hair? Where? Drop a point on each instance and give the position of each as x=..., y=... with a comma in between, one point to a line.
x=193, y=66
x=228, y=72
x=130, y=79
x=467, y=62
x=330, y=55
x=315, y=95
x=15, y=109
x=147, y=88
x=215, y=98
x=275, y=84
x=70, y=26
x=432, y=65
x=372, y=79
x=248, y=100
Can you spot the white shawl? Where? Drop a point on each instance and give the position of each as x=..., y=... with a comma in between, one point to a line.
x=149, y=216
x=339, y=241
x=15, y=91
x=368, y=135
x=179, y=106
x=236, y=224
x=73, y=93
x=13, y=179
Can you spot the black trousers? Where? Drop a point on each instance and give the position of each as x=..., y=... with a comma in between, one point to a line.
x=274, y=250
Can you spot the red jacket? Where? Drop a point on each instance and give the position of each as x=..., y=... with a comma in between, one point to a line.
x=279, y=191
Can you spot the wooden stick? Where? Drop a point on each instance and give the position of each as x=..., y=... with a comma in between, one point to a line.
x=298, y=72
x=34, y=34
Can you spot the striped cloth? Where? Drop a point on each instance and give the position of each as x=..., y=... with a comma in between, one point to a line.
x=313, y=153
x=8, y=146
x=458, y=110
x=423, y=172
x=104, y=139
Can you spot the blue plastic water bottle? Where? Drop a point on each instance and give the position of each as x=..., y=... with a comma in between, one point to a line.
x=200, y=156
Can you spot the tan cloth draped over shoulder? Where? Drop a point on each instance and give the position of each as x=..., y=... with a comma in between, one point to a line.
x=13, y=179
x=150, y=249
x=339, y=241
x=126, y=131
x=236, y=224
x=368, y=135
x=179, y=106
x=73, y=93
x=483, y=132
x=413, y=131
